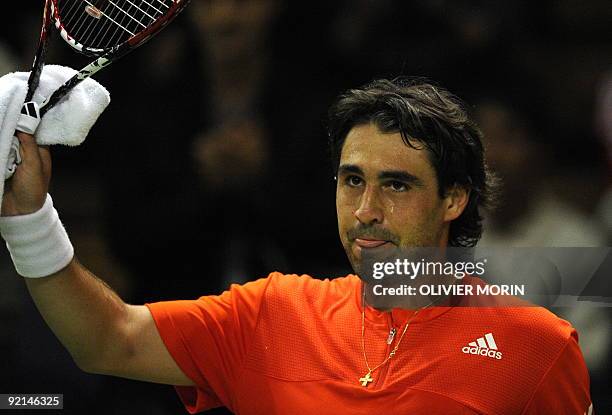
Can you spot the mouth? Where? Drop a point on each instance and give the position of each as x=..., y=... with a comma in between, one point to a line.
x=370, y=243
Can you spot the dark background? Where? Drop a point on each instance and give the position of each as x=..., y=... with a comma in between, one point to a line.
x=210, y=165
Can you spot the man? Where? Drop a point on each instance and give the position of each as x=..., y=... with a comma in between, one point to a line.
x=410, y=173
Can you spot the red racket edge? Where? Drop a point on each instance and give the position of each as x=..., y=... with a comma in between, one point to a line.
x=158, y=25
x=113, y=54
x=133, y=42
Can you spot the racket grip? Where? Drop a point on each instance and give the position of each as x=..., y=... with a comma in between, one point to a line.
x=29, y=118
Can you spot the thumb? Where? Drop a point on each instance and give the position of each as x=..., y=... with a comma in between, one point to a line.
x=28, y=147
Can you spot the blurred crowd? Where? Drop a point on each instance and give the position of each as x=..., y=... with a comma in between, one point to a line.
x=210, y=166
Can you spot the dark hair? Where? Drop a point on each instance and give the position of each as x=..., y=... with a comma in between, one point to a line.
x=430, y=115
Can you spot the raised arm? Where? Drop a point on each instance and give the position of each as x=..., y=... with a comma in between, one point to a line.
x=102, y=333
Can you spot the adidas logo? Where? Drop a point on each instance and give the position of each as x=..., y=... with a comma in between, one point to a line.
x=483, y=346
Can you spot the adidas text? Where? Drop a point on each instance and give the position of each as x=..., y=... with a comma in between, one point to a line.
x=482, y=351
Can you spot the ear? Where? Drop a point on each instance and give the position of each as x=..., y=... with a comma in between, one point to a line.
x=455, y=202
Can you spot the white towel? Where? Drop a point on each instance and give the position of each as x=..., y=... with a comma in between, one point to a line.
x=67, y=123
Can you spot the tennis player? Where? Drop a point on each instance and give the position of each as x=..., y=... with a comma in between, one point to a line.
x=410, y=173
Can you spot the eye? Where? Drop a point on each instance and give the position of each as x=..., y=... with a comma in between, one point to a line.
x=353, y=181
x=397, y=186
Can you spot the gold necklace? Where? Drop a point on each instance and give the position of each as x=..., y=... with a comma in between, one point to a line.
x=367, y=378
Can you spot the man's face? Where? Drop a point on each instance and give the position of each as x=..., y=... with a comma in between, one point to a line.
x=387, y=196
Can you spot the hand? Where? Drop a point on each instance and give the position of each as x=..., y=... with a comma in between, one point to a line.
x=26, y=191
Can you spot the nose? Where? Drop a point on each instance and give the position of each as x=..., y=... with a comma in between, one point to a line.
x=369, y=210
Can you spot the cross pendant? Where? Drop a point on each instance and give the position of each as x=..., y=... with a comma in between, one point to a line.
x=366, y=379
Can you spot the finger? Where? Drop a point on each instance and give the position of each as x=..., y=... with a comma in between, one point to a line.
x=45, y=157
x=28, y=147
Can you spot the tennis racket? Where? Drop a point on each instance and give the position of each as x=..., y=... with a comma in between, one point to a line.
x=104, y=29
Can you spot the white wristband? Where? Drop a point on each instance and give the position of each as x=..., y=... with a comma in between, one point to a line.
x=38, y=242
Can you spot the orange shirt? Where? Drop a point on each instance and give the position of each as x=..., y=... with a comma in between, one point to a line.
x=290, y=344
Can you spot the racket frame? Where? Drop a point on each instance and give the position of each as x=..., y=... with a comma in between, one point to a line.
x=104, y=56
x=41, y=52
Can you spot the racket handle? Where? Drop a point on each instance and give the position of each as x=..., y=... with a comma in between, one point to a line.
x=29, y=118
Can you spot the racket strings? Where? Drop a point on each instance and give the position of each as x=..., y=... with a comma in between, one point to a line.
x=102, y=24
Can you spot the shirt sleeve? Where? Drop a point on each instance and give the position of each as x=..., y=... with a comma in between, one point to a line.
x=564, y=389
x=208, y=338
